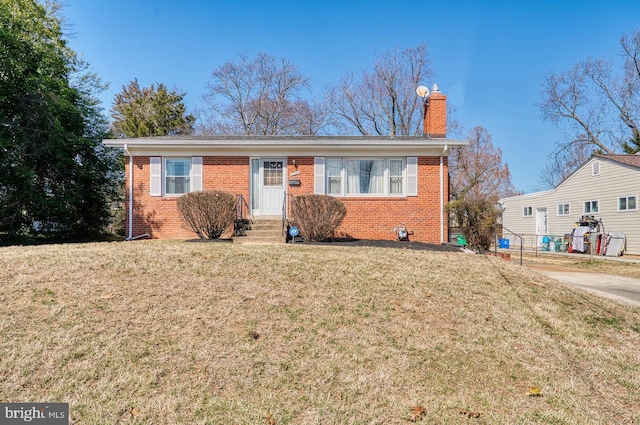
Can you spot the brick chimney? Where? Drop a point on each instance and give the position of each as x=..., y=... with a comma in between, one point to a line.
x=435, y=115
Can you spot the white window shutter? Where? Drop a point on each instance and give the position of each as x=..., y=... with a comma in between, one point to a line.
x=155, y=181
x=196, y=174
x=318, y=175
x=412, y=176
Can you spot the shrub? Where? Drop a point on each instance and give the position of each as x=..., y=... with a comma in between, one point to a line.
x=317, y=216
x=477, y=220
x=209, y=213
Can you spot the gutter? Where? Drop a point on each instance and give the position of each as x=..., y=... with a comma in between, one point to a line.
x=131, y=237
x=446, y=148
x=126, y=150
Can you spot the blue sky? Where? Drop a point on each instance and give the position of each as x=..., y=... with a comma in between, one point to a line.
x=490, y=57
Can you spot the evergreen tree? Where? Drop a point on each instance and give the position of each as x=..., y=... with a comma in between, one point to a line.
x=147, y=112
x=633, y=145
x=55, y=175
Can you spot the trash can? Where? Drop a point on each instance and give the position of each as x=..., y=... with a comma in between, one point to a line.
x=461, y=240
x=503, y=243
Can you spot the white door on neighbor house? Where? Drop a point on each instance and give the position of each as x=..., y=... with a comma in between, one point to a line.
x=272, y=185
x=541, y=224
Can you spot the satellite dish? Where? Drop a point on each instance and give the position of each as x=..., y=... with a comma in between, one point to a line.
x=422, y=91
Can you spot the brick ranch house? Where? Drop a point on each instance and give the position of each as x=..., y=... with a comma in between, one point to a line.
x=383, y=181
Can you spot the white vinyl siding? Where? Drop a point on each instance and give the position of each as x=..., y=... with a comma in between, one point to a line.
x=615, y=181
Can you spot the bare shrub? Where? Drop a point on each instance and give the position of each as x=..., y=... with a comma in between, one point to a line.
x=317, y=216
x=208, y=213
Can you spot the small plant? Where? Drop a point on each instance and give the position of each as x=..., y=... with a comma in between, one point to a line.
x=209, y=214
x=317, y=216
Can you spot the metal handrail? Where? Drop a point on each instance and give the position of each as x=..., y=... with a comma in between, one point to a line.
x=517, y=236
x=286, y=205
x=284, y=214
x=241, y=206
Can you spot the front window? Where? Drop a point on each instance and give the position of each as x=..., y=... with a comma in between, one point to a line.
x=177, y=176
x=365, y=176
x=357, y=177
x=591, y=207
x=395, y=177
x=563, y=209
x=527, y=211
x=627, y=203
x=334, y=176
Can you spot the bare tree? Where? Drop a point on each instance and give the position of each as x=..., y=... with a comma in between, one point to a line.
x=596, y=105
x=383, y=102
x=477, y=170
x=478, y=180
x=260, y=96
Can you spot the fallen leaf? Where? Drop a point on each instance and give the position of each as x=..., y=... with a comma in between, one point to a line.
x=534, y=392
x=417, y=412
x=108, y=296
x=254, y=335
x=470, y=414
x=270, y=419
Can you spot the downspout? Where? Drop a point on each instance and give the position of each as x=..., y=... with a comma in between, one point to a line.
x=126, y=150
x=446, y=148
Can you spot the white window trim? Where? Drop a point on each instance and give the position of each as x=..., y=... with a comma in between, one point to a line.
x=628, y=209
x=343, y=178
x=164, y=175
x=584, y=205
x=527, y=209
x=158, y=175
x=563, y=214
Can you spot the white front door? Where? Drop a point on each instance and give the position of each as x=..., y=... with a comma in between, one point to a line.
x=541, y=224
x=272, y=185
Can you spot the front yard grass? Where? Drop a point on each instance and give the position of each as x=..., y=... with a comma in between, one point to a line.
x=167, y=332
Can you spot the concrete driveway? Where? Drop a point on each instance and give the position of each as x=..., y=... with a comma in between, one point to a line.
x=620, y=288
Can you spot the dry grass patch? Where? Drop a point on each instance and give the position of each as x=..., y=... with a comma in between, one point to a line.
x=213, y=333
x=583, y=262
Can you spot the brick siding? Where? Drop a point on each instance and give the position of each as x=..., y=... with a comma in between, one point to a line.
x=367, y=218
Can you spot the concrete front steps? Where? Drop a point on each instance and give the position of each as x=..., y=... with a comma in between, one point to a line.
x=263, y=230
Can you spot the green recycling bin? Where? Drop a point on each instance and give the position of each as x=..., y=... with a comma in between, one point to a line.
x=461, y=240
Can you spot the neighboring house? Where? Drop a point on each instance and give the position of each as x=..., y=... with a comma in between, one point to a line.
x=605, y=187
x=383, y=181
